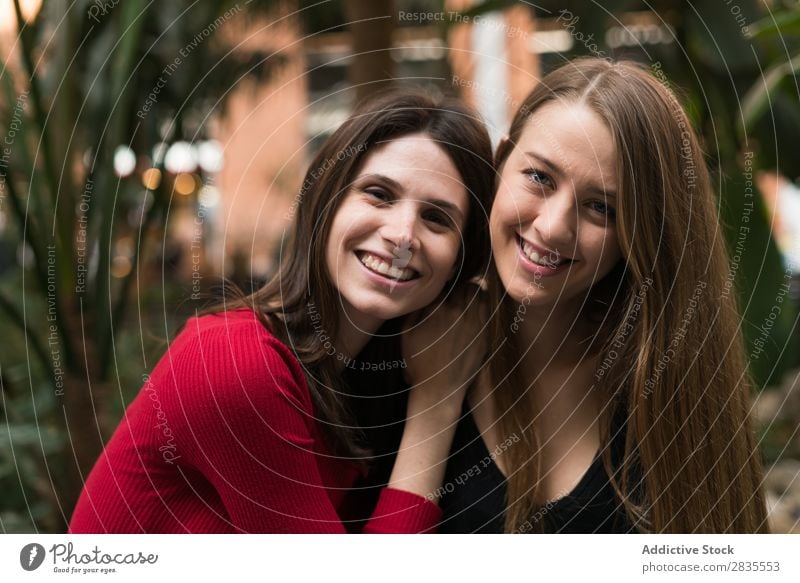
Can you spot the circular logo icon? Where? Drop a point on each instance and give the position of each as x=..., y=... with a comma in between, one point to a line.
x=31, y=556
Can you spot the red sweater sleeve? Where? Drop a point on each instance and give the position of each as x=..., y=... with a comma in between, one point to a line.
x=247, y=425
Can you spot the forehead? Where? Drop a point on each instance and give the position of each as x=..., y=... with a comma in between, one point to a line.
x=573, y=136
x=414, y=151
x=419, y=164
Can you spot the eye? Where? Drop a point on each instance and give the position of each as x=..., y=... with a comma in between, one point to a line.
x=539, y=178
x=437, y=217
x=603, y=208
x=378, y=194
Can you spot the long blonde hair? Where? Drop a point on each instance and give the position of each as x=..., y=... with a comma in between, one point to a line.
x=673, y=362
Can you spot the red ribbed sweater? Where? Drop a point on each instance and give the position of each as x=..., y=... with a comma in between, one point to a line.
x=221, y=439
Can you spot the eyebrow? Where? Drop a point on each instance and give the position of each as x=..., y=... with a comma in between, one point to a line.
x=552, y=166
x=556, y=169
x=396, y=186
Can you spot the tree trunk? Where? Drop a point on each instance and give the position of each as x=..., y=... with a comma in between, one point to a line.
x=84, y=399
x=371, y=25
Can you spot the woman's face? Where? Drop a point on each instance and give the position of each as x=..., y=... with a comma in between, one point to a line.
x=553, y=220
x=395, y=237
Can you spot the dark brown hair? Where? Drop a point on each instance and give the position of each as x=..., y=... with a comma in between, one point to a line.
x=302, y=278
x=690, y=461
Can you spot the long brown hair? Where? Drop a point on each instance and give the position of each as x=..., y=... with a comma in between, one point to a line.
x=668, y=339
x=299, y=303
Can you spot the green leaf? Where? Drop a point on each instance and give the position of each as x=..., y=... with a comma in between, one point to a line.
x=22, y=435
x=758, y=99
x=782, y=24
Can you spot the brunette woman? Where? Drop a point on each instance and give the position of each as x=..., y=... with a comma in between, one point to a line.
x=245, y=423
x=617, y=398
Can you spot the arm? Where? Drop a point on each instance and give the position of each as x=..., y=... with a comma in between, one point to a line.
x=249, y=430
x=445, y=350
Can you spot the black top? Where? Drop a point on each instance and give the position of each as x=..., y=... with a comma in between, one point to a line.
x=474, y=490
x=378, y=400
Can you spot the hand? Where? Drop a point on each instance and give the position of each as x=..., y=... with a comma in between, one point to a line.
x=444, y=347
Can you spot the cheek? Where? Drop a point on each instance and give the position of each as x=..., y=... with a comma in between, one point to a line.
x=341, y=229
x=508, y=215
x=606, y=249
x=443, y=254
x=511, y=208
x=350, y=222
x=332, y=256
x=499, y=217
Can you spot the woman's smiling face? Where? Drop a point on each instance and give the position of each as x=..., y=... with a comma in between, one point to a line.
x=395, y=238
x=553, y=220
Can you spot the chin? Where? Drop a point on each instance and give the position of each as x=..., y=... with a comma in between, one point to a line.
x=538, y=298
x=381, y=308
x=522, y=290
x=517, y=287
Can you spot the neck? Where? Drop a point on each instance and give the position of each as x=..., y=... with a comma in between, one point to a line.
x=555, y=356
x=354, y=331
x=551, y=336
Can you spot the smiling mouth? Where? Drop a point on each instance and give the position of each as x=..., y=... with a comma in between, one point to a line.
x=548, y=260
x=381, y=267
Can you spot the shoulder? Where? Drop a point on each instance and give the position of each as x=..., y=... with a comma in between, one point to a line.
x=235, y=333
x=241, y=322
x=230, y=358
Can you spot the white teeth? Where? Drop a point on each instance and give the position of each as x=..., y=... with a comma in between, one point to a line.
x=538, y=259
x=380, y=266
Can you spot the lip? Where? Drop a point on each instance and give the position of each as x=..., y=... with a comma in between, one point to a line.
x=535, y=268
x=382, y=280
x=541, y=250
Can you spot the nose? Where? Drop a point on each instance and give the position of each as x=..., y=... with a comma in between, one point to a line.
x=557, y=220
x=400, y=227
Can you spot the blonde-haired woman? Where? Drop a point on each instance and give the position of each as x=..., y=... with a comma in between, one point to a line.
x=617, y=398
